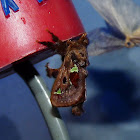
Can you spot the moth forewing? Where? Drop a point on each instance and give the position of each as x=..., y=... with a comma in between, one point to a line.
x=102, y=41
x=70, y=95
x=110, y=10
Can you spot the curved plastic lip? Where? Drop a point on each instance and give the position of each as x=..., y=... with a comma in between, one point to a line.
x=20, y=30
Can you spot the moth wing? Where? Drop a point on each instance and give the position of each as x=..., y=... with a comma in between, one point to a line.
x=64, y=93
x=101, y=41
x=122, y=15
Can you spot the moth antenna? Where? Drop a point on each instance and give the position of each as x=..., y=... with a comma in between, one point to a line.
x=50, y=45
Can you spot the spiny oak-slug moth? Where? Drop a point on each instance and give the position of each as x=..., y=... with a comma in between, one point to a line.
x=69, y=88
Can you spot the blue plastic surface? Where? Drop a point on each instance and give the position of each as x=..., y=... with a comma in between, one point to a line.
x=40, y=1
x=7, y=4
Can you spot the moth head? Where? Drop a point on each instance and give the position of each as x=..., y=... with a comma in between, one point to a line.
x=79, y=56
x=77, y=51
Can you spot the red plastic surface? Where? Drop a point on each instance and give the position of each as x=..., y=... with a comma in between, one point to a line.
x=19, y=31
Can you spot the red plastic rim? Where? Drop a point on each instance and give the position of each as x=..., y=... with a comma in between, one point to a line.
x=19, y=31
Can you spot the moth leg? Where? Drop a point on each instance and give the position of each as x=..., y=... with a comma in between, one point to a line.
x=51, y=72
x=58, y=46
x=54, y=37
x=48, y=44
x=77, y=110
x=54, y=46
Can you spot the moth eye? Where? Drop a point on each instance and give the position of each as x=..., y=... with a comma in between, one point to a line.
x=128, y=44
x=64, y=80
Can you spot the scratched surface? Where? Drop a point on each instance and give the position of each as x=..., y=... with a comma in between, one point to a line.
x=112, y=106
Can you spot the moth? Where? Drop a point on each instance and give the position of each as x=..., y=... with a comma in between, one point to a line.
x=69, y=88
x=123, y=22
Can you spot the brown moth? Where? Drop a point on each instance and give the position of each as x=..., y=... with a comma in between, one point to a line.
x=69, y=88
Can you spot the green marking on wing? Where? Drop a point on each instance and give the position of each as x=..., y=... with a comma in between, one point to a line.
x=74, y=69
x=58, y=91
